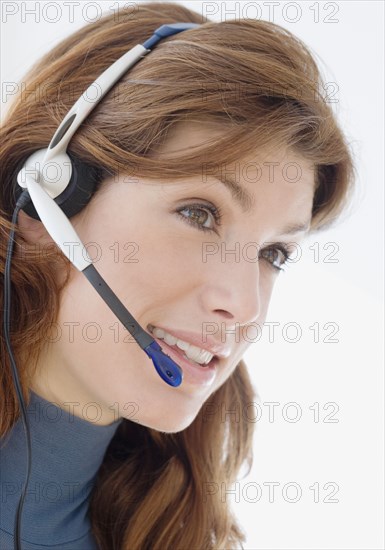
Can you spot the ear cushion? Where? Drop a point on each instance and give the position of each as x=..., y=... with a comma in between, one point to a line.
x=84, y=182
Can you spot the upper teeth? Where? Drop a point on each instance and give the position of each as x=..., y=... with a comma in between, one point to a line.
x=193, y=352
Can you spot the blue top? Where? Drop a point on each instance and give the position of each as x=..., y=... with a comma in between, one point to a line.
x=67, y=452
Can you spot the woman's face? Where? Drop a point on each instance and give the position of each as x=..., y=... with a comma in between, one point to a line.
x=170, y=273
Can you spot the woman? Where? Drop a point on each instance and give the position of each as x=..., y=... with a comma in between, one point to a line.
x=120, y=459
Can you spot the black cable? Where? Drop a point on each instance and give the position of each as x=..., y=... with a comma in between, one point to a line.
x=21, y=202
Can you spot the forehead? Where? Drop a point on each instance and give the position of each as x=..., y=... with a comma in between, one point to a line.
x=260, y=178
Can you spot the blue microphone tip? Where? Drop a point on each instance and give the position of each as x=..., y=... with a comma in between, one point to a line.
x=167, y=369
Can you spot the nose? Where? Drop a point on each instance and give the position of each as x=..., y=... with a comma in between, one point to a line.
x=234, y=292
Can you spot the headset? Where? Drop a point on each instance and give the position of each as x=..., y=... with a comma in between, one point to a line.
x=54, y=200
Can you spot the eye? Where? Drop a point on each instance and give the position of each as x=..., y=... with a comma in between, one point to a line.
x=277, y=256
x=200, y=214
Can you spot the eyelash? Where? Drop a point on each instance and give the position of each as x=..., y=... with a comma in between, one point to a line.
x=217, y=214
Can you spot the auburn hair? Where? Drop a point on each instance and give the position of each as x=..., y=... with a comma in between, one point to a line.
x=260, y=84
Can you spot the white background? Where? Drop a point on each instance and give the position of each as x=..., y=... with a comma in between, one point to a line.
x=344, y=377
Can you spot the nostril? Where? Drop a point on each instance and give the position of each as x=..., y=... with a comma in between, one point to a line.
x=225, y=313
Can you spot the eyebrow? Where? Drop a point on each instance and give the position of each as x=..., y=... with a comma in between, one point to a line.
x=238, y=192
x=246, y=201
x=295, y=228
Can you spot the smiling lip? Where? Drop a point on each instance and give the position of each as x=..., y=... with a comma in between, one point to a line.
x=210, y=344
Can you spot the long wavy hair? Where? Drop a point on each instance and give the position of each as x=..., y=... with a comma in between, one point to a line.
x=262, y=86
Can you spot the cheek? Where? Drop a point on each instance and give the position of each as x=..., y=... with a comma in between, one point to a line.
x=82, y=317
x=95, y=349
x=143, y=250
x=143, y=267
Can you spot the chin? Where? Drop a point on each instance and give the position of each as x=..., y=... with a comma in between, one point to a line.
x=168, y=423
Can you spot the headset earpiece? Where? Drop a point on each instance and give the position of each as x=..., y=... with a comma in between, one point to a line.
x=68, y=180
x=84, y=182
